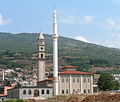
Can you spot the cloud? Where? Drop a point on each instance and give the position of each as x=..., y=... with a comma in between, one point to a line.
x=76, y=20
x=88, y=19
x=111, y=24
x=82, y=39
x=3, y=21
x=113, y=41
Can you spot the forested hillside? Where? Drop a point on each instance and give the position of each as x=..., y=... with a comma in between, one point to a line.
x=71, y=52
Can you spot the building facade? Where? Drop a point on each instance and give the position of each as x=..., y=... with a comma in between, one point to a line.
x=75, y=82
x=117, y=77
x=68, y=81
x=30, y=93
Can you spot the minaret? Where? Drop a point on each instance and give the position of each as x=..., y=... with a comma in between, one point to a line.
x=55, y=53
x=41, y=58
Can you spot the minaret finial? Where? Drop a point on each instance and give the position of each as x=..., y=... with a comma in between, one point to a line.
x=55, y=34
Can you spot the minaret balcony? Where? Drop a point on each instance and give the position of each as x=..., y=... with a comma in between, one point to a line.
x=54, y=35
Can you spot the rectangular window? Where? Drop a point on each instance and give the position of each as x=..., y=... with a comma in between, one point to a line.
x=78, y=80
x=73, y=80
x=66, y=80
x=88, y=80
x=84, y=80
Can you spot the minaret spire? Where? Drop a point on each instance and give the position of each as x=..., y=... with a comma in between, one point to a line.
x=54, y=24
x=55, y=53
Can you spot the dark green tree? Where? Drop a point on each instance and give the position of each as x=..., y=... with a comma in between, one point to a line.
x=7, y=83
x=23, y=78
x=107, y=82
x=115, y=85
x=18, y=85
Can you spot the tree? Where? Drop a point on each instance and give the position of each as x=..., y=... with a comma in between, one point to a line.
x=24, y=78
x=18, y=85
x=7, y=83
x=115, y=85
x=107, y=82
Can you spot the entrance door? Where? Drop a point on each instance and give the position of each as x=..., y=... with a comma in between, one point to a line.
x=36, y=93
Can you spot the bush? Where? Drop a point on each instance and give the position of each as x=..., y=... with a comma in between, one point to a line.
x=14, y=100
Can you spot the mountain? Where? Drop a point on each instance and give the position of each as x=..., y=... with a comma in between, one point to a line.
x=71, y=52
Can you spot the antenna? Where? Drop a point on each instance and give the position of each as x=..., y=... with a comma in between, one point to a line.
x=40, y=30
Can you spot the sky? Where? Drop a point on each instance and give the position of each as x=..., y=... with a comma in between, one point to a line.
x=92, y=21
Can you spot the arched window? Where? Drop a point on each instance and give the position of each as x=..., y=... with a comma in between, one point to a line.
x=66, y=91
x=84, y=91
x=62, y=91
x=29, y=92
x=36, y=93
x=42, y=92
x=41, y=55
x=47, y=92
x=24, y=92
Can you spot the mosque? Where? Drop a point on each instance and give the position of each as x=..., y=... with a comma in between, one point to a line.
x=65, y=82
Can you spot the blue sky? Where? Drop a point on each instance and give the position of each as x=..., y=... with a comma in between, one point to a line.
x=94, y=21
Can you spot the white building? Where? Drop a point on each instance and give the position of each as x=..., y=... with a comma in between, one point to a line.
x=117, y=77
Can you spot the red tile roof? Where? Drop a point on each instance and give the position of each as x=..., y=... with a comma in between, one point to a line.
x=73, y=72
x=6, y=88
x=2, y=95
x=49, y=79
x=65, y=72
